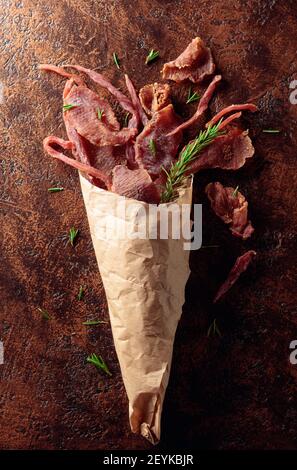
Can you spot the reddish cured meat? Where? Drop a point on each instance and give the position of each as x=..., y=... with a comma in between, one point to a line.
x=239, y=267
x=202, y=106
x=67, y=145
x=60, y=71
x=228, y=152
x=93, y=118
x=233, y=107
x=154, y=97
x=98, y=78
x=139, y=114
x=231, y=206
x=135, y=184
x=154, y=150
x=194, y=63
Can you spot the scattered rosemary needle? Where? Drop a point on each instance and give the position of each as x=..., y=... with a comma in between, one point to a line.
x=99, y=114
x=152, y=147
x=214, y=329
x=126, y=119
x=93, y=322
x=116, y=60
x=66, y=107
x=99, y=363
x=73, y=232
x=44, y=313
x=271, y=131
x=177, y=172
x=192, y=96
x=235, y=192
x=152, y=55
x=55, y=190
x=81, y=293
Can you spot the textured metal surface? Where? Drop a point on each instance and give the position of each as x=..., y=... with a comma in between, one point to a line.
x=238, y=391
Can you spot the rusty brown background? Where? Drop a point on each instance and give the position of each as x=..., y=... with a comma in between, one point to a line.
x=233, y=392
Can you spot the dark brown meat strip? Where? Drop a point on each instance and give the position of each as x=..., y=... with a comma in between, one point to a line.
x=239, y=267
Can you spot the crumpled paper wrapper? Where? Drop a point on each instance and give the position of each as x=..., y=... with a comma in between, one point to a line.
x=144, y=281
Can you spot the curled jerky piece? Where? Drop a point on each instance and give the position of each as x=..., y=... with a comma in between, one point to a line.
x=231, y=206
x=135, y=184
x=228, y=152
x=154, y=149
x=94, y=119
x=202, y=106
x=233, y=107
x=154, y=97
x=194, y=63
x=52, y=140
x=239, y=267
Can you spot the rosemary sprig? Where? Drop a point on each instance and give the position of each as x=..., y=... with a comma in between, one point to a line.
x=214, y=329
x=271, y=131
x=93, y=322
x=116, y=60
x=100, y=113
x=176, y=174
x=55, y=190
x=192, y=96
x=66, y=107
x=73, y=232
x=235, y=192
x=44, y=313
x=81, y=293
x=152, y=147
x=152, y=55
x=99, y=363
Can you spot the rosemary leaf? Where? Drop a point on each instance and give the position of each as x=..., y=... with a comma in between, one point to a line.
x=152, y=147
x=73, y=232
x=99, y=114
x=235, y=192
x=177, y=172
x=55, y=190
x=66, y=107
x=93, y=322
x=44, y=313
x=192, y=96
x=99, y=363
x=81, y=293
x=116, y=60
x=126, y=119
x=271, y=131
x=214, y=329
x=152, y=55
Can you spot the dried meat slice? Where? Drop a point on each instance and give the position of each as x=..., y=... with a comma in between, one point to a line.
x=52, y=141
x=194, y=63
x=233, y=107
x=231, y=206
x=139, y=114
x=94, y=119
x=239, y=267
x=228, y=152
x=202, y=106
x=154, y=150
x=154, y=97
x=135, y=184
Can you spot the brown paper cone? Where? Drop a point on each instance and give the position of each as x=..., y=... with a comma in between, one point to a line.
x=144, y=281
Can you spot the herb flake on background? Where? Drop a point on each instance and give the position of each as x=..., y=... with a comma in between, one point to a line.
x=55, y=190
x=73, y=232
x=98, y=362
x=116, y=60
x=152, y=55
x=44, y=313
